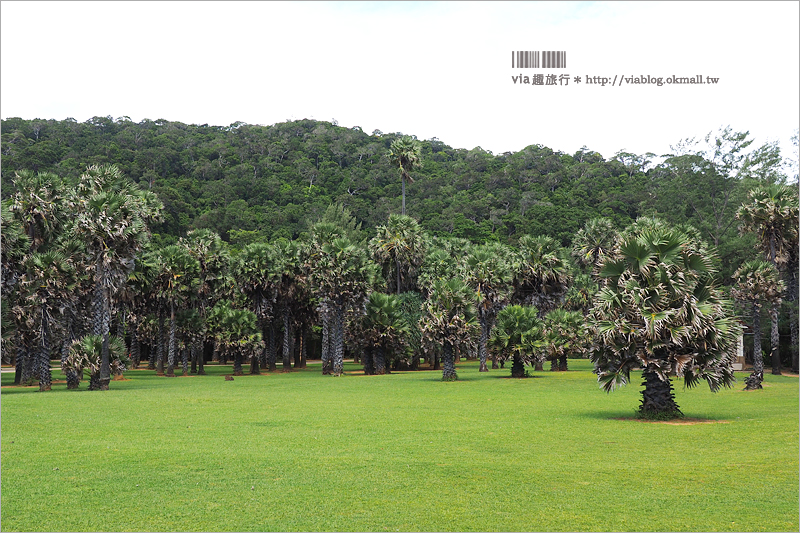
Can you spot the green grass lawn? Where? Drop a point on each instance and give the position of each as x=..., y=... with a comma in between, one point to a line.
x=407, y=452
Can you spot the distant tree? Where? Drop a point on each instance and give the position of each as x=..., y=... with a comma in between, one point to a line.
x=406, y=154
x=383, y=332
x=449, y=321
x=593, y=242
x=772, y=214
x=541, y=277
x=757, y=283
x=399, y=246
x=518, y=336
x=489, y=273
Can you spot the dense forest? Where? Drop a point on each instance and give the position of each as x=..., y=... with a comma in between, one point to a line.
x=250, y=182
x=303, y=206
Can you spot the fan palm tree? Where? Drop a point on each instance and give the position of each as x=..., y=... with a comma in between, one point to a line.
x=406, y=154
x=541, y=277
x=112, y=220
x=565, y=334
x=214, y=259
x=253, y=272
x=518, y=336
x=383, y=331
x=757, y=283
x=488, y=272
x=593, y=242
x=85, y=354
x=449, y=321
x=659, y=310
x=399, y=246
x=772, y=214
x=287, y=278
x=342, y=277
x=48, y=283
x=177, y=282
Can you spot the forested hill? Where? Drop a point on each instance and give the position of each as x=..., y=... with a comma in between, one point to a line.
x=249, y=182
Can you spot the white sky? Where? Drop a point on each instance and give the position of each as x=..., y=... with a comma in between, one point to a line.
x=428, y=69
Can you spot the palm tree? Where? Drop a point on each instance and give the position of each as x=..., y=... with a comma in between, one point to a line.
x=177, y=281
x=342, y=277
x=48, y=283
x=518, y=336
x=660, y=311
x=449, y=321
x=253, y=272
x=541, y=277
x=111, y=219
x=214, y=259
x=287, y=278
x=593, y=242
x=406, y=154
x=85, y=354
x=565, y=334
x=757, y=282
x=772, y=215
x=399, y=246
x=383, y=331
x=489, y=274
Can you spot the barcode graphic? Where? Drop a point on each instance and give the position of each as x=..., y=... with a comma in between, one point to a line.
x=531, y=59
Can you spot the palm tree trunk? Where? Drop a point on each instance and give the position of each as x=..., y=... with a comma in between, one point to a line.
x=775, y=341
x=160, y=344
x=272, y=352
x=338, y=338
x=305, y=337
x=326, y=342
x=201, y=356
x=45, y=376
x=102, y=323
x=562, y=362
x=193, y=357
x=380, y=361
x=287, y=333
x=448, y=364
x=368, y=362
x=255, y=366
x=403, y=179
x=185, y=360
x=482, y=342
x=136, y=347
x=517, y=367
x=263, y=356
x=171, y=352
x=237, y=362
x=754, y=380
x=658, y=400
x=73, y=378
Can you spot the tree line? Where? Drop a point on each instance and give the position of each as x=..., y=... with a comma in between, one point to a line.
x=80, y=263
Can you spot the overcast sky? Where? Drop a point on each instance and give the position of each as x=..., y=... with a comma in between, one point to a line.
x=428, y=69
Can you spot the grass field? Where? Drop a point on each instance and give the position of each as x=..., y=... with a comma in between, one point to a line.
x=407, y=452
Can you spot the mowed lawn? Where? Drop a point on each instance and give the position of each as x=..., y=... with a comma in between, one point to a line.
x=303, y=451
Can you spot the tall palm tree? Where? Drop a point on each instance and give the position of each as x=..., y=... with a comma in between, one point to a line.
x=48, y=283
x=489, y=274
x=541, y=277
x=659, y=310
x=399, y=246
x=112, y=220
x=406, y=154
x=214, y=259
x=519, y=337
x=342, y=277
x=449, y=321
x=287, y=278
x=772, y=214
x=176, y=284
x=253, y=272
x=757, y=283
